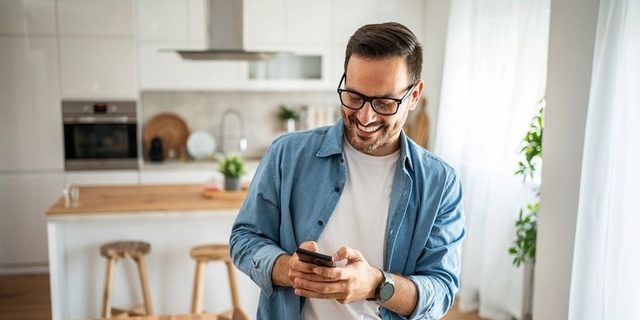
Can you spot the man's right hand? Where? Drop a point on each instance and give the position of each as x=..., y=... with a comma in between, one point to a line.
x=287, y=268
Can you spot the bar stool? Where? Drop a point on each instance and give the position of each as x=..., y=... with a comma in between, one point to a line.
x=122, y=250
x=208, y=253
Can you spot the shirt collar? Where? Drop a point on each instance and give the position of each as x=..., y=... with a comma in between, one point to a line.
x=333, y=141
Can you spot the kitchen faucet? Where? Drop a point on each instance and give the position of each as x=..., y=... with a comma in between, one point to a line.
x=242, y=142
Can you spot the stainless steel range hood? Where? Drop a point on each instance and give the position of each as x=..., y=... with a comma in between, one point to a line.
x=225, y=34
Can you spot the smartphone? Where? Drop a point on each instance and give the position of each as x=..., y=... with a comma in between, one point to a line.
x=315, y=258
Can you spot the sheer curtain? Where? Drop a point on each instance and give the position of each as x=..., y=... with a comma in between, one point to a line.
x=493, y=77
x=605, y=280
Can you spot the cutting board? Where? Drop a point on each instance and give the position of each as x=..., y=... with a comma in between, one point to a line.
x=171, y=129
x=419, y=130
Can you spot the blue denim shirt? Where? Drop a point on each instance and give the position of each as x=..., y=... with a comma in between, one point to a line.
x=294, y=192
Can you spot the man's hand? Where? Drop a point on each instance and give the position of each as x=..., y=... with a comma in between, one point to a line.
x=353, y=282
x=288, y=268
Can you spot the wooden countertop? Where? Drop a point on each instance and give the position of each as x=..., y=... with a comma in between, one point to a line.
x=147, y=198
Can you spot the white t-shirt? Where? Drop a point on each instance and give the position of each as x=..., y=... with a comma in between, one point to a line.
x=359, y=221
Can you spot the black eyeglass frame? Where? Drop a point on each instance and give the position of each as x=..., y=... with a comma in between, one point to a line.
x=369, y=99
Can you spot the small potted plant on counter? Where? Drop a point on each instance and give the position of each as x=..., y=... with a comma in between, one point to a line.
x=289, y=116
x=232, y=167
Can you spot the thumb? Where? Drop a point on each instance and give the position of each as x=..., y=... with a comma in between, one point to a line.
x=309, y=245
x=348, y=253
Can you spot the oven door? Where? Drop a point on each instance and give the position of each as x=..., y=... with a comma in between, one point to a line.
x=100, y=144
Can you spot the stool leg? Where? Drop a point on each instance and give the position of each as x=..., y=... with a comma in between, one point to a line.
x=196, y=299
x=142, y=269
x=106, y=297
x=232, y=285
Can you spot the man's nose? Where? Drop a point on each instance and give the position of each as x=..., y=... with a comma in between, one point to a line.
x=366, y=114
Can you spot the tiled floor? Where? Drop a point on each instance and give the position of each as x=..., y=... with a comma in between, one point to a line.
x=27, y=297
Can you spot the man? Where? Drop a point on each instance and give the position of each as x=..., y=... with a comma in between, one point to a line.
x=361, y=191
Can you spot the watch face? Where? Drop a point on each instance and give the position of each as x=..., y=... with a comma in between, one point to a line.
x=386, y=292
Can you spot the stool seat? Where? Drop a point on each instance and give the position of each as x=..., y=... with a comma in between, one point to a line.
x=123, y=249
x=114, y=251
x=211, y=252
x=204, y=254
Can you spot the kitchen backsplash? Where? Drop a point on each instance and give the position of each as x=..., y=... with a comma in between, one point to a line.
x=203, y=110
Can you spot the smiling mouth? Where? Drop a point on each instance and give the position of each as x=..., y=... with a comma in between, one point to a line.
x=369, y=129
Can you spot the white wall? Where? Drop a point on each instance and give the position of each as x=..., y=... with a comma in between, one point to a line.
x=571, y=45
x=435, y=20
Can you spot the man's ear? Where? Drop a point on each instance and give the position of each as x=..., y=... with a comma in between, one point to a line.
x=416, y=94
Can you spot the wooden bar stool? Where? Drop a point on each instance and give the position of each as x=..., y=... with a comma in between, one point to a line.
x=203, y=255
x=122, y=250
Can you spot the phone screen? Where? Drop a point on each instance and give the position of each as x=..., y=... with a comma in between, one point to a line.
x=315, y=258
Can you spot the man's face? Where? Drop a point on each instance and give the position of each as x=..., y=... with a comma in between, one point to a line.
x=366, y=130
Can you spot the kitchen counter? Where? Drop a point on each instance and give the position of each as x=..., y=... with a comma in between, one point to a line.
x=146, y=198
x=171, y=218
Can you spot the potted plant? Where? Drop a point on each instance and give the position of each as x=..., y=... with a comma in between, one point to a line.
x=232, y=167
x=523, y=249
x=289, y=116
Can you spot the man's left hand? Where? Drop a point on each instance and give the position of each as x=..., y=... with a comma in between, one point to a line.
x=356, y=281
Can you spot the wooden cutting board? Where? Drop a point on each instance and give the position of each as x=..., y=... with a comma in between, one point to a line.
x=171, y=129
x=420, y=127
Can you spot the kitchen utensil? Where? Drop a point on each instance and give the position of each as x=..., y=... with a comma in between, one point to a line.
x=201, y=145
x=170, y=128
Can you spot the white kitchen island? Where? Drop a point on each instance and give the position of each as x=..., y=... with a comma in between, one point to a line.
x=172, y=218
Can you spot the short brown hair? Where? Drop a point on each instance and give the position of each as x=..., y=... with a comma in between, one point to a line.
x=385, y=40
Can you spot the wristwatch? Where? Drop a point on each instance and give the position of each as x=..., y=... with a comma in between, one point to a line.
x=386, y=289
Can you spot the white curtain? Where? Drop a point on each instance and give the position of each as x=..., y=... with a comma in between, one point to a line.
x=493, y=77
x=605, y=280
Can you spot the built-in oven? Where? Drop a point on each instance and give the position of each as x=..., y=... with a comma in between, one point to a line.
x=100, y=135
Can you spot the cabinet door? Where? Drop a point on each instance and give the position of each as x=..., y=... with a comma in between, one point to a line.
x=24, y=201
x=165, y=20
x=309, y=22
x=98, y=68
x=96, y=17
x=265, y=24
x=166, y=70
x=27, y=17
x=106, y=177
x=30, y=112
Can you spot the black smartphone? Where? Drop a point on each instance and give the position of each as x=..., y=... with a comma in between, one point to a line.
x=315, y=258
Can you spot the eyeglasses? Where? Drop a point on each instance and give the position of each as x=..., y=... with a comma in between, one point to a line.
x=385, y=106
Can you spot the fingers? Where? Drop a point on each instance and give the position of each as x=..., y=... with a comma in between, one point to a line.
x=309, y=245
x=310, y=277
x=348, y=253
x=321, y=287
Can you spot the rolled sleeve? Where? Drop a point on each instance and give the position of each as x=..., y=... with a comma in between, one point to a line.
x=262, y=267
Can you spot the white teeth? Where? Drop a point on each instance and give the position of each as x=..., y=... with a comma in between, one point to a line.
x=368, y=129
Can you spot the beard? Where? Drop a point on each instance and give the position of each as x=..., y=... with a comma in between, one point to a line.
x=365, y=144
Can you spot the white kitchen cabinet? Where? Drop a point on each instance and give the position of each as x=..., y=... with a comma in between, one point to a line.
x=24, y=200
x=309, y=22
x=161, y=69
x=102, y=68
x=103, y=177
x=165, y=20
x=27, y=17
x=349, y=15
x=96, y=17
x=30, y=112
x=172, y=20
x=265, y=24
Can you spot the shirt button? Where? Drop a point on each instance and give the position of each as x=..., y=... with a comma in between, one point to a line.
x=337, y=189
x=320, y=222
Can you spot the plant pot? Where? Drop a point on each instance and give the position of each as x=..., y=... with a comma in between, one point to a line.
x=527, y=294
x=290, y=125
x=231, y=183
